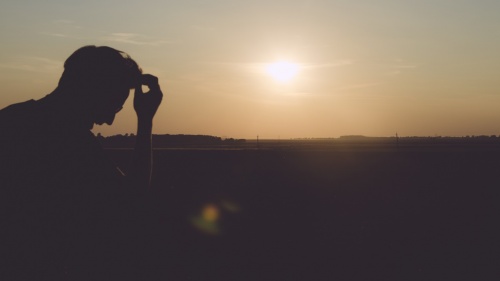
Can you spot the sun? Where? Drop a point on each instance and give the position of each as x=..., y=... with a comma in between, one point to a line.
x=282, y=71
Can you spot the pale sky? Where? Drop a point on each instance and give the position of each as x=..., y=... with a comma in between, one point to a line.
x=372, y=67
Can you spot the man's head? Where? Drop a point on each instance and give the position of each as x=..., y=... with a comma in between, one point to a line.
x=99, y=80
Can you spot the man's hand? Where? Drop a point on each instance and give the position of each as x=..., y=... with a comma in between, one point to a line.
x=146, y=104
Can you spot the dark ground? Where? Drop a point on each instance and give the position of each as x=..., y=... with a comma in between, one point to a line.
x=338, y=212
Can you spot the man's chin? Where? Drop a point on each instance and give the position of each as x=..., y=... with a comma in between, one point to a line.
x=100, y=123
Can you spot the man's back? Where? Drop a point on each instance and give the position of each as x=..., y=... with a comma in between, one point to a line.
x=56, y=181
x=45, y=158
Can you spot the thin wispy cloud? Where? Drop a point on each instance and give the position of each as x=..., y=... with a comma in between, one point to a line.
x=399, y=68
x=61, y=35
x=329, y=65
x=33, y=64
x=261, y=65
x=408, y=66
x=135, y=39
x=53, y=34
x=66, y=24
x=63, y=28
x=62, y=21
x=202, y=28
x=360, y=86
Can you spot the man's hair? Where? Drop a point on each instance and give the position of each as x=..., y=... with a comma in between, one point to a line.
x=100, y=67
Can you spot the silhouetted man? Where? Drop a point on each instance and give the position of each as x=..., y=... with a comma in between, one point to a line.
x=61, y=196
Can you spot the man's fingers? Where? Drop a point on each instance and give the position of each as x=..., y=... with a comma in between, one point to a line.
x=150, y=81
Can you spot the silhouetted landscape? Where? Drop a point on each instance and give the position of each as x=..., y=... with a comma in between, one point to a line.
x=204, y=141
x=168, y=141
x=325, y=140
x=349, y=208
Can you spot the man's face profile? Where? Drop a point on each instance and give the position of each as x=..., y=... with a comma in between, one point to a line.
x=111, y=104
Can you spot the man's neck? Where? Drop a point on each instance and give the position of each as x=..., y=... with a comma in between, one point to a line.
x=67, y=110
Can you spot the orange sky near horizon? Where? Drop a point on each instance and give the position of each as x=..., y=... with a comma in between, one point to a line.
x=418, y=68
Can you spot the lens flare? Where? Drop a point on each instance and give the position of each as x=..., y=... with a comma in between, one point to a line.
x=211, y=217
x=210, y=213
x=207, y=221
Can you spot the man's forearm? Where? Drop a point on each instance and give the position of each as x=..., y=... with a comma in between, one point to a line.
x=142, y=157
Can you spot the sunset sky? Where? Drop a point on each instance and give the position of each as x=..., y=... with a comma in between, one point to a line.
x=371, y=67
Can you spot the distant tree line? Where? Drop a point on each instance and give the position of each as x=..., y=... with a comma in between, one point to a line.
x=165, y=141
x=445, y=140
x=420, y=139
x=411, y=139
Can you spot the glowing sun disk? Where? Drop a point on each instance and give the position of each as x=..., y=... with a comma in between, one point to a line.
x=282, y=71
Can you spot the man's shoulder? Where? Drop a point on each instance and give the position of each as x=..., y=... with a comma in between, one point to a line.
x=18, y=107
x=16, y=113
x=27, y=124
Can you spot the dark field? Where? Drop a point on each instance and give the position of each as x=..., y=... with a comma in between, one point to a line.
x=310, y=211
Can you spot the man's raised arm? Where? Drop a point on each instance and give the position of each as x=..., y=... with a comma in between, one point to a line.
x=145, y=105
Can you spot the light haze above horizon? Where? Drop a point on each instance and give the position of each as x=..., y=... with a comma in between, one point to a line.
x=369, y=67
